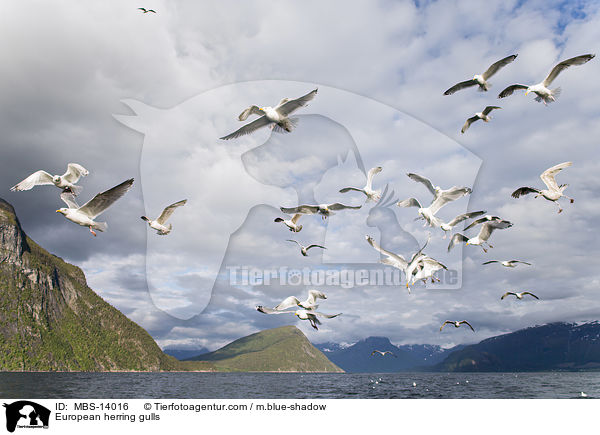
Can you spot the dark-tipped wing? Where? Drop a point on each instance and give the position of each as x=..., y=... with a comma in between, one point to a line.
x=266, y=310
x=35, y=179
x=519, y=261
x=348, y=189
x=168, y=211
x=490, y=262
x=445, y=323
x=510, y=89
x=104, y=200
x=337, y=206
x=578, y=60
x=459, y=86
x=523, y=191
x=291, y=106
x=315, y=246
x=530, y=294
x=466, y=323
x=425, y=181
x=248, y=128
x=295, y=241
x=462, y=217
x=468, y=123
x=493, y=69
x=488, y=109
x=456, y=238
x=303, y=209
x=410, y=202
x=507, y=294
x=399, y=258
x=252, y=110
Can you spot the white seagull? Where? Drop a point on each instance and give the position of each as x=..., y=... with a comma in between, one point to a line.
x=66, y=181
x=86, y=214
x=159, y=223
x=309, y=315
x=309, y=304
x=426, y=268
x=144, y=10
x=324, y=210
x=456, y=324
x=384, y=353
x=490, y=223
x=544, y=94
x=276, y=117
x=507, y=263
x=372, y=195
x=292, y=223
x=458, y=219
x=440, y=198
x=518, y=295
x=483, y=115
x=304, y=249
x=553, y=191
x=481, y=79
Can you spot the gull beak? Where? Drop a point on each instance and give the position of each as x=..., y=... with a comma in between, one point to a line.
x=467, y=244
x=527, y=91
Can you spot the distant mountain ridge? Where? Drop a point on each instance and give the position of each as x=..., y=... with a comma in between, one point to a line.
x=284, y=349
x=555, y=346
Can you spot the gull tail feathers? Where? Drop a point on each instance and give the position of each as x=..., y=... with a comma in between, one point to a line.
x=75, y=190
x=100, y=226
x=286, y=126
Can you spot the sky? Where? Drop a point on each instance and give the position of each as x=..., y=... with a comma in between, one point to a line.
x=147, y=96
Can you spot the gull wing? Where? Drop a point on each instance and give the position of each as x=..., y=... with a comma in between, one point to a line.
x=69, y=199
x=468, y=123
x=168, y=211
x=252, y=110
x=578, y=60
x=248, y=128
x=462, y=217
x=337, y=206
x=295, y=241
x=266, y=310
x=371, y=174
x=490, y=262
x=445, y=323
x=507, y=294
x=456, y=238
x=530, y=294
x=488, y=228
x=397, y=257
x=288, y=302
x=510, y=89
x=313, y=295
x=36, y=179
x=292, y=105
x=327, y=316
x=74, y=172
x=488, y=109
x=410, y=202
x=482, y=220
x=296, y=217
x=315, y=246
x=301, y=209
x=524, y=191
x=425, y=181
x=493, y=69
x=447, y=196
x=466, y=323
x=549, y=174
x=104, y=200
x=519, y=261
x=347, y=189
x=459, y=86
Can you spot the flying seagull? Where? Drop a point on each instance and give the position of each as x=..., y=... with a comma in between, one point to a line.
x=518, y=295
x=144, y=10
x=484, y=116
x=426, y=268
x=292, y=223
x=309, y=304
x=86, y=214
x=458, y=219
x=372, y=195
x=544, y=94
x=384, y=353
x=309, y=315
x=456, y=324
x=277, y=116
x=304, y=249
x=490, y=223
x=508, y=263
x=159, y=223
x=66, y=181
x=440, y=198
x=553, y=191
x=324, y=210
x=481, y=79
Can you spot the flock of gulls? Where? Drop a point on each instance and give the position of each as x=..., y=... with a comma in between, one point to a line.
x=420, y=267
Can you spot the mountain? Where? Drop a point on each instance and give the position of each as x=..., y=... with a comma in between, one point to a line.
x=51, y=320
x=555, y=346
x=182, y=354
x=357, y=358
x=284, y=349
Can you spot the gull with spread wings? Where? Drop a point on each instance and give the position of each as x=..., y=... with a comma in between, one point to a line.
x=325, y=210
x=490, y=223
x=518, y=295
x=483, y=115
x=384, y=353
x=553, y=191
x=66, y=181
x=544, y=94
x=372, y=195
x=292, y=223
x=456, y=324
x=507, y=263
x=84, y=215
x=304, y=249
x=310, y=315
x=159, y=223
x=481, y=79
x=276, y=117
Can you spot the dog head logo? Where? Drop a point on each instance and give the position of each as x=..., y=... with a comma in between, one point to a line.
x=26, y=414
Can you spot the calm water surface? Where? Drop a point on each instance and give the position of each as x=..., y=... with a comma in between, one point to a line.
x=299, y=386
